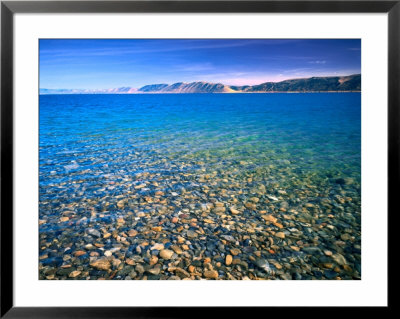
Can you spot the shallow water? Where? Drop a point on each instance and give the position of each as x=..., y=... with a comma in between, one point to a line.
x=286, y=149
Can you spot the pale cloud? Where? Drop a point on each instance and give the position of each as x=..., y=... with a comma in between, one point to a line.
x=318, y=62
x=110, y=51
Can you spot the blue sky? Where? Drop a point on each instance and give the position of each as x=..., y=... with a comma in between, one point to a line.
x=112, y=63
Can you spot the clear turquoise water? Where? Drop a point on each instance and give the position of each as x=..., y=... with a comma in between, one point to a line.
x=197, y=148
x=125, y=134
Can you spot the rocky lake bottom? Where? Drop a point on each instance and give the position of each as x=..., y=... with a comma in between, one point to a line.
x=145, y=188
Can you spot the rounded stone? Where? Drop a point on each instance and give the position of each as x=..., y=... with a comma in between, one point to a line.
x=166, y=254
x=228, y=260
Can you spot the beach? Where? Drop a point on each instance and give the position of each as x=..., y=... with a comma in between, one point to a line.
x=200, y=187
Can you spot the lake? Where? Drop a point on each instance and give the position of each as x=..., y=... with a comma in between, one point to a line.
x=200, y=186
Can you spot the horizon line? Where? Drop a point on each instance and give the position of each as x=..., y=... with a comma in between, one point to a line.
x=289, y=79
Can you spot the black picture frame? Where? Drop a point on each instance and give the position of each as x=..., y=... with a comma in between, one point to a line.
x=9, y=8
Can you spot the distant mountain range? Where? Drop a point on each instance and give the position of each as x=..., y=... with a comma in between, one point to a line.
x=348, y=83
x=121, y=90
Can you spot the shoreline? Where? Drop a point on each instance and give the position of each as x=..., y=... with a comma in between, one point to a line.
x=141, y=93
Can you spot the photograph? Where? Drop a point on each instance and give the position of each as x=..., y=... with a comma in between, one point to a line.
x=199, y=159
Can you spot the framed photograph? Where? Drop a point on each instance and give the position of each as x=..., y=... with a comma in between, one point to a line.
x=158, y=155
